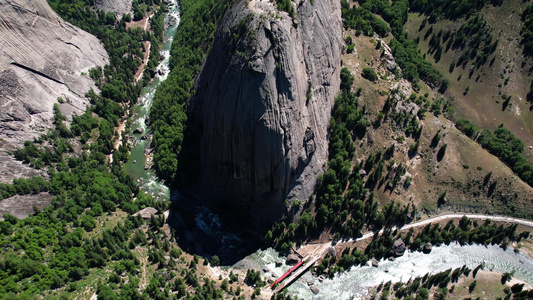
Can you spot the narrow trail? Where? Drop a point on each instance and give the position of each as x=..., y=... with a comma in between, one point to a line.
x=119, y=131
x=140, y=71
x=142, y=283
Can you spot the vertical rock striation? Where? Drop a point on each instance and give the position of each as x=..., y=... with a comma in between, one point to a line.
x=262, y=107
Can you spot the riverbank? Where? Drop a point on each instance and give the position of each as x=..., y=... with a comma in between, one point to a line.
x=358, y=282
x=407, y=266
x=139, y=133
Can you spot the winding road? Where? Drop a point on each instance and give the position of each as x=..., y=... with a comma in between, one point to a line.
x=447, y=217
x=319, y=249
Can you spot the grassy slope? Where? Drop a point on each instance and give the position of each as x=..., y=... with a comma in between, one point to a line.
x=483, y=104
x=432, y=178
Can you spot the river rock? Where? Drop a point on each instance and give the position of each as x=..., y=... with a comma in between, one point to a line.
x=138, y=130
x=42, y=58
x=314, y=289
x=427, y=248
x=260, y=118
x=374, y=262
x=292, y=259
x=398, y=248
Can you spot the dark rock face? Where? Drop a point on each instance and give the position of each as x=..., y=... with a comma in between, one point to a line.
x=398, y=248
x=262, y=107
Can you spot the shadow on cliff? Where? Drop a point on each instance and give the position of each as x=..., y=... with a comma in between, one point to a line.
x=200, y=231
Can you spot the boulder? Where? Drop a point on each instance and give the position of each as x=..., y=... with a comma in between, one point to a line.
x=292, y=259
x=116, y=6
x=427, y=248
x=138, y=130
x=314, y=289
x=278, y=264
x=374, y=262
x=398, y=248
x=146, y=213
x=406, y=108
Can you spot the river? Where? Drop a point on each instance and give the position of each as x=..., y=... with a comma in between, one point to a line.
x=135, y=166
x=358, y=281
x=354, y=283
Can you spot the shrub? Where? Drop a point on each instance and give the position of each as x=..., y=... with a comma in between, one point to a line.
x=369, y=74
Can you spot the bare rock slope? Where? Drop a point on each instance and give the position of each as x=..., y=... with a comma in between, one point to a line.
x=41, y=58
x=262, y=106
x=116, y=6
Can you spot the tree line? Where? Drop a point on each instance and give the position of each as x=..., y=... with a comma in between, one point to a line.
x=168, y=113
x=503, y=144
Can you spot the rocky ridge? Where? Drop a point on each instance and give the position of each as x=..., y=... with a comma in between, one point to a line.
x=263, y=104
x=41, y=58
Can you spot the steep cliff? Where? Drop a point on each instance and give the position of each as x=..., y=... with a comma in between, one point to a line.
x=41, y=58
x=262, y=106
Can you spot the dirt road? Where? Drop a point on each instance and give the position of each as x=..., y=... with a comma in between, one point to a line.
x=424, y=223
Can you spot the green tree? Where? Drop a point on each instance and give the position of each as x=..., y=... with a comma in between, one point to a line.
x=369, y=74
